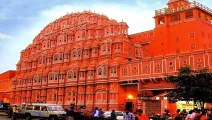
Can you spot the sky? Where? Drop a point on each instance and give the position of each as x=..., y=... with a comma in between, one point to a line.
x=22, y=20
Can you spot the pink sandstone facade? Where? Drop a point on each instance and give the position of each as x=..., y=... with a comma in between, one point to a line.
x=6, y=85
x=89, y=60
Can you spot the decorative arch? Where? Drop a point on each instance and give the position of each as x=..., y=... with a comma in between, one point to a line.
x=51, y=76
x=36, y=79
x=102, y=69
x=70, y=74
x=44, y=44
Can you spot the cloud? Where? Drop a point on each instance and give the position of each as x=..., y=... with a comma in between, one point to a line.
x=138, y=19
x=2, y=16
x=5, y=36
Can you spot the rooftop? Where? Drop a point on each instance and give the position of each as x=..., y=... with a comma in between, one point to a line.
x=194, y=4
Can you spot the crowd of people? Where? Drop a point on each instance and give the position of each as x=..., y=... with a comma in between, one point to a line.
x=194, y=114
x=98, y=114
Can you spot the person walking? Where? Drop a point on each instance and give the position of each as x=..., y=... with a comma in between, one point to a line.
x=15, y=112
x=141, y=115
x=189, y=116
x=70, y=113
x=96, y=113
x=128, y=115
x=100, y=113
x=113, y=115
x=203, y=116
x=177, y=115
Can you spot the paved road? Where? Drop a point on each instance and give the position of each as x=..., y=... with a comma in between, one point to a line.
x=4, y=117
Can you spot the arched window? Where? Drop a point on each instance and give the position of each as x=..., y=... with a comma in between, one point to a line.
x=90, y=73
x=124, y=71
x=75, y=74
x=104, y=71
x=175, y=18
x=161, y=20
x=189, y=14
x=51, y=76
x=55, y=57
x=100, y=71
x=56, y=76
x=74, y=53
x=61, y=56
x=66, y=56
x=70, y=75
x=44, y=60
x=104, y=48
x=40, y=61
x=36, y=79
x=113, y=71
x=79, y=53
x=94, y=52
x=48, y=44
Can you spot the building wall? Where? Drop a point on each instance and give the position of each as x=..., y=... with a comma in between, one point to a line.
x=6, y=85
x=87, y=59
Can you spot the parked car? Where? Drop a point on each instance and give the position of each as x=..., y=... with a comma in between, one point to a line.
x=120, y=114
x=42, y=110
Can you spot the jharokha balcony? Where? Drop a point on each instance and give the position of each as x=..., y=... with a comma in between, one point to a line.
x=194, y=4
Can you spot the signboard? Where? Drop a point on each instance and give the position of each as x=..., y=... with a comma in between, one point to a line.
x=185, y=105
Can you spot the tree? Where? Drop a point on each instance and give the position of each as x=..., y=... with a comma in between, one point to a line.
x=191, y=85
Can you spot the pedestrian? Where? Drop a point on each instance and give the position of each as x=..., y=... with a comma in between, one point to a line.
x=113, y=115
x=141, y=115
x=184, y=113
x=177, y=116
x=203, y=116
x=15, y=112
x=209, y=114
x=128, y=115
x=100, y=113
x=189, y=116
x=96, y=113
x=196, y=114
x=71, y=111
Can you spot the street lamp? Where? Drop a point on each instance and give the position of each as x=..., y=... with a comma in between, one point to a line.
x=130, y=96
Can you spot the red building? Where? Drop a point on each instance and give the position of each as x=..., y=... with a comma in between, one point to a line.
x=88, y=59
x=6, y=85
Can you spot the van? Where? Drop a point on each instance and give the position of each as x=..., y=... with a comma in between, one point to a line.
x=42, y=110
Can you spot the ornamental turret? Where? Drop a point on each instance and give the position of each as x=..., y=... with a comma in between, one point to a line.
x=177, y=3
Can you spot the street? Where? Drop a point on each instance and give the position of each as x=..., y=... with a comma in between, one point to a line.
x=4, y=117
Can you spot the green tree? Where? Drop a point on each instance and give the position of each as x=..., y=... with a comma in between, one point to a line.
x=191, y=85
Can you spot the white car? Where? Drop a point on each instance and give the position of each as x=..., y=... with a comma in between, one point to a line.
x=42, y=110
x=120, y=114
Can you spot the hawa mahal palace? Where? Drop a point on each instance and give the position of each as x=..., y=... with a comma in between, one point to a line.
x=87, y=59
